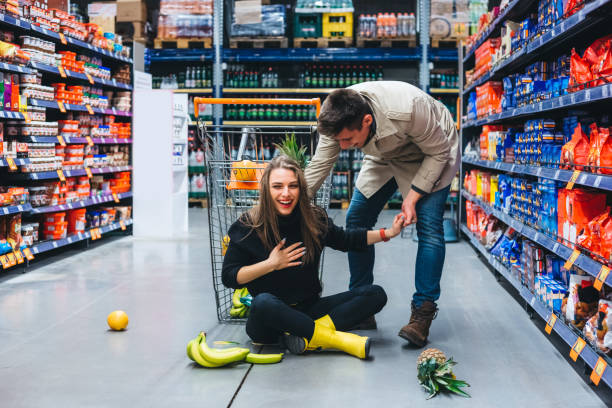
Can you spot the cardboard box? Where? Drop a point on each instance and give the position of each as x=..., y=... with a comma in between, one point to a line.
x=103, y=14
x=133, y=30
x=131, y=10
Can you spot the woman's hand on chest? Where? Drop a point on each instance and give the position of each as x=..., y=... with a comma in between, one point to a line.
x=281, y=257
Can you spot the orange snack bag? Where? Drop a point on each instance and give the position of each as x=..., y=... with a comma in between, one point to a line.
x=575, y=152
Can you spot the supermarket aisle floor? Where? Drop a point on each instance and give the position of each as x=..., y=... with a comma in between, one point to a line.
x=55, y=349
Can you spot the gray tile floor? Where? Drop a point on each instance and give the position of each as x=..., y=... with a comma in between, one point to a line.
x=56, y=351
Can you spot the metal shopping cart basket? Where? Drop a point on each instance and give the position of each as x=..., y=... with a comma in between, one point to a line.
x=236, y=157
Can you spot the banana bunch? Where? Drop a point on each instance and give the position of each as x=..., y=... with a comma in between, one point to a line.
x=210, y=357
x=241, y=303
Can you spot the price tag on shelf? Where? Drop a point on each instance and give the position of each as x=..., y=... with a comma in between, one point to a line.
x=598, y=371
x=551, y=323
x=60, y=174
x=115, y=197
x=99, y=232
x=601, y=277
x=570, y=261
x=61, y=140
x=61, y=106
x=122, y=225
x=572, y=180
x=62, y=72
x=88, y=171
x=89, y=109
x=94, y=236
x=90, y=142
x=11, y=258
x=26, y=117
x=577, y=348
x=18, y=256
x=28, y=254
x=89, y=78
x=11, y=163
x=5, y=262
x=63, y=38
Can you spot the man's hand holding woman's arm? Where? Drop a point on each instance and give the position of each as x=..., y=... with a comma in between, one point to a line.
x=375, y=236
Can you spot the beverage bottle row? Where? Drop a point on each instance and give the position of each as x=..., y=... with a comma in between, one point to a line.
x=270, y=112
x=205, y=111
x=237, y=76
x=387, y=25
x=443, y=80
x=343, y=163
x=192, y=77
x=338, y=76
x=358, y=157
x=450, y=105
x=197, y=186
x=340, y=187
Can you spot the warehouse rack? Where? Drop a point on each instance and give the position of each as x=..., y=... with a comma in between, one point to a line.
x=567, y=32
x=55, y=109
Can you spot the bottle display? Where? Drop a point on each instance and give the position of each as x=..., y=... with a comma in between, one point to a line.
x=192, y=77
x=338, y=75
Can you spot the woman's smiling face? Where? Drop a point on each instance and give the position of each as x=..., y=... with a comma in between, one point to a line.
x=284, y=190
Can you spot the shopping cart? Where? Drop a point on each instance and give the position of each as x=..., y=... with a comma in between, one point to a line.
x=236, y=157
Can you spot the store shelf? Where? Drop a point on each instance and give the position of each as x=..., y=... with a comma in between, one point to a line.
x=589, y=355
x=452, y=91
x=15, y=68
x=194, y=90
x=50, y=175
x=80, y=204
x=11, y=115
x=70, y=140
x=583, y=261
x=18, y=162
x=51, y=245
x=592, y=12
x=513, y=8
x=278, y=90
x=70, y=74
x=76, y=108
x=574, y=99
x=600, y=181
x=52, y=35
x=15, y=209
x=263, y=55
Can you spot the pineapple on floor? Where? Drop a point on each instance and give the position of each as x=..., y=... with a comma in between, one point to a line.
x=435, y=373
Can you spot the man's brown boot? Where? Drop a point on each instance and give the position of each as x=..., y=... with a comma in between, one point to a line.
x=417, y=330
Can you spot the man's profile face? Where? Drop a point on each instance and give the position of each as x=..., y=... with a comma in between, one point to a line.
x=355, y=139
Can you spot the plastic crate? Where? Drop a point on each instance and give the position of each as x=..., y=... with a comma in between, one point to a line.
x=306, y=25
x=337, y=24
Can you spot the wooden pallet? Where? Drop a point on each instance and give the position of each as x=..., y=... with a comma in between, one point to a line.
x=258, y=42
x=198, y=202
x=323, y=42
x=183, y=42
x=446, y=42
x=404, y=42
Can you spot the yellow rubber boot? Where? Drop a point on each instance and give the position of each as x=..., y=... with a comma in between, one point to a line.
x=298, y=345
x=325, y=337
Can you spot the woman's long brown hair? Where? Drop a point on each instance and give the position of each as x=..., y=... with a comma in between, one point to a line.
x=263, y=217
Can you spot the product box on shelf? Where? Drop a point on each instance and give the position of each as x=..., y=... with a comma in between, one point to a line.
x=131, y=10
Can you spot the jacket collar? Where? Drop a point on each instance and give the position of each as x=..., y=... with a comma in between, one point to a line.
x=384, y=126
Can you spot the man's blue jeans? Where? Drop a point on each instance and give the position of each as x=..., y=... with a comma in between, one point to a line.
x=363, y=212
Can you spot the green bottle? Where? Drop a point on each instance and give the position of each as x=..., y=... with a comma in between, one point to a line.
x=241, y=112
x=327, y=78
x=307, y=78
x=341, y=77
x=268, y=112
x=291, y=113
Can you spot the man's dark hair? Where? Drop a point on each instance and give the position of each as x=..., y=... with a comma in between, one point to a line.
x=343, y=108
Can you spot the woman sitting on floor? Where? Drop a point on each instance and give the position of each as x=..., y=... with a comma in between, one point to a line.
x=274, y=251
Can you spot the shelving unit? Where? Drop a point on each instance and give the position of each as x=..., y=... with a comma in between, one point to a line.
x=9, y=167
x=577, y=30
x=568, y=334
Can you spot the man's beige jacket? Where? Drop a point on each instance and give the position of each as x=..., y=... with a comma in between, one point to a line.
x=416, y=142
